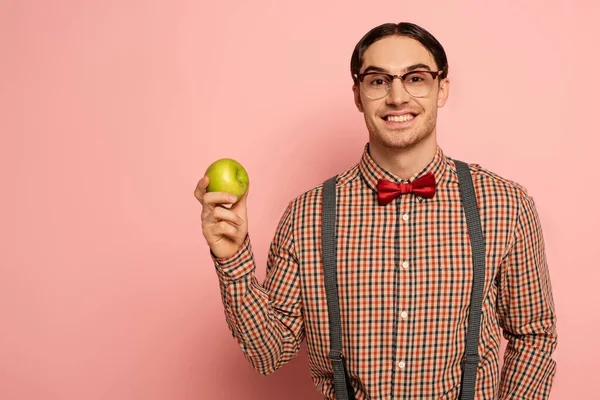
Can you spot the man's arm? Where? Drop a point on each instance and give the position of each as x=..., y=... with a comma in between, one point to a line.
x=266, y=320
x=526, y=312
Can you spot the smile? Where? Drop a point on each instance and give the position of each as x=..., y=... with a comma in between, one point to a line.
x=401, y=118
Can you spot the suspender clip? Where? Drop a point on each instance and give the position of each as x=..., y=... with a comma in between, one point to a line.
x=336, y=355
x=471, y=359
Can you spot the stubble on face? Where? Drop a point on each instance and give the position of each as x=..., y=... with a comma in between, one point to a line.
x=401, y=138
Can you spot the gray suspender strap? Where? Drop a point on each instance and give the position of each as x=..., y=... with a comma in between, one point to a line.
x=341, y=380
x=343, y=389
x=469, y=202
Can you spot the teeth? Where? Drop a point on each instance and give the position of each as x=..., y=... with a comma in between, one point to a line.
x=402, y=118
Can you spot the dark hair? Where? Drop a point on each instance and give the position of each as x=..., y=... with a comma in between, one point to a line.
x=402, y=29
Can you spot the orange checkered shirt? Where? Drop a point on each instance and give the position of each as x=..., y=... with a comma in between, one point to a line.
x=404, y=282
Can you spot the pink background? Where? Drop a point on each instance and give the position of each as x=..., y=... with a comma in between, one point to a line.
x=112, y=110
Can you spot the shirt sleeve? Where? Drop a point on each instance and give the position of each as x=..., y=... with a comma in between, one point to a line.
x=266, y=320
x=526, y=312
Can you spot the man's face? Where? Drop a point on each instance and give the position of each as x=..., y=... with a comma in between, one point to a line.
x=396, y=55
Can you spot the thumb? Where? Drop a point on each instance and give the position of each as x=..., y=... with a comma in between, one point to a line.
x=241, y=206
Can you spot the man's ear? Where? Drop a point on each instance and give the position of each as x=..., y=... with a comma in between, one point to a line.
x=357, y=100
x=443, y=92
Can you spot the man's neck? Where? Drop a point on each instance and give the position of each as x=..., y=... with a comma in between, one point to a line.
x=404, y=163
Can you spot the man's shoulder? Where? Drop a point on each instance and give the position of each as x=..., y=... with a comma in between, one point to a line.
x=312, y=197
x=488, y=181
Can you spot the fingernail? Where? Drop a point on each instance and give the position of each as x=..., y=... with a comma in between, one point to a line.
x=233, y=199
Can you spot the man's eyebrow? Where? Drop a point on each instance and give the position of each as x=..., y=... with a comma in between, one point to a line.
x=418, y=66
x=374, y=68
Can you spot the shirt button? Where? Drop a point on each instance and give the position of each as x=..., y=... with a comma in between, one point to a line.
x=401, y=365
x=405, y=264
x=404, y=314
x=405, y=217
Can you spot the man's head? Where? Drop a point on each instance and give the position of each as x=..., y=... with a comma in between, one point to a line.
x=399, y=113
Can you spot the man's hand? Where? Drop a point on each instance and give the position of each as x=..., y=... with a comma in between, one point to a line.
x=224, y=228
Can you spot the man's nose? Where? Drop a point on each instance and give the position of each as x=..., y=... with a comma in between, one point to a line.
x=397, y=93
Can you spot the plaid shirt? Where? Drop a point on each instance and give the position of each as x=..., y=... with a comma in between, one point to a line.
x=404, y=282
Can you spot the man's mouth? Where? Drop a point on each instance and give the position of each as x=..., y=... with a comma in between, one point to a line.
x=399, y=118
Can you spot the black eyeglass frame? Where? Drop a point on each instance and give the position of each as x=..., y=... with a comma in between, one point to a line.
x=434, y=75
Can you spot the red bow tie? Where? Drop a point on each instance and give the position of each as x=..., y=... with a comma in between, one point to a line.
x=388, y=191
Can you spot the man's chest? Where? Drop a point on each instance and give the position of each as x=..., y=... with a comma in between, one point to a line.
x=406, y=253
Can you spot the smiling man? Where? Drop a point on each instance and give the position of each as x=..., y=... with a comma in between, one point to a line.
x=402, y=271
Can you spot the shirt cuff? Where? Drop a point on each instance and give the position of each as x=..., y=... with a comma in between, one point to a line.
x=240, y=264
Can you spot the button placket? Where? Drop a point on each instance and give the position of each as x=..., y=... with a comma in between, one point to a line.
x=404, y=206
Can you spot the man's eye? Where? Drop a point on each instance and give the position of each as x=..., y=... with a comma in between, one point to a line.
x=377, y=80
x=417, y=78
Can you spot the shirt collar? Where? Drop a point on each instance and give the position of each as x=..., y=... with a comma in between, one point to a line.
x=372, y=172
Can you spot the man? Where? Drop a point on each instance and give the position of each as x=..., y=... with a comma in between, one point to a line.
x=404, y=266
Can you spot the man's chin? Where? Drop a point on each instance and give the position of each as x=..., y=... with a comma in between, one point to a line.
x=397, y=140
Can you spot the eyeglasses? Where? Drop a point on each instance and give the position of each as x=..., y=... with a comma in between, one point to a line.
x=377, y=85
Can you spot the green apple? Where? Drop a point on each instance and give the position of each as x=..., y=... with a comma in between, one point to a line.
x=227, y=175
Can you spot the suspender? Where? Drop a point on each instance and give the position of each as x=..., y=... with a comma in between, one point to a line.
x=469, y=202
x=341, y=379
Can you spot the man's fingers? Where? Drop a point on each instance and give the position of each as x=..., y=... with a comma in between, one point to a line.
x=218, y=198
x=240, y=207
x=224, y=229
x=224, y=214
x=213, y=200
